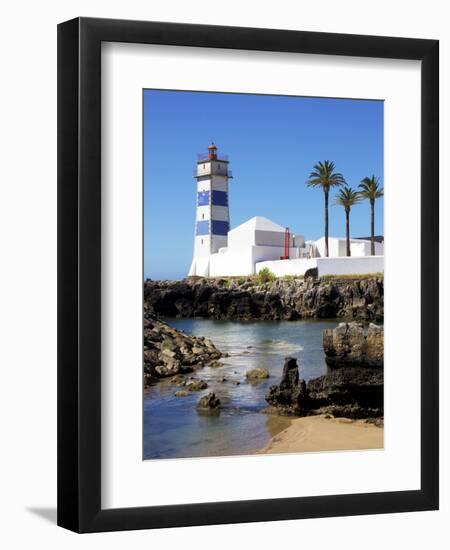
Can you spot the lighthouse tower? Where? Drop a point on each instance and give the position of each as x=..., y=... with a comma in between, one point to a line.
x=212, y=221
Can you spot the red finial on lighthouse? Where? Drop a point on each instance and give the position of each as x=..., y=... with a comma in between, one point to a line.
x=212, y=151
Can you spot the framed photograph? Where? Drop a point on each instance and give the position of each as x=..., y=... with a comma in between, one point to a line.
x=248, y=275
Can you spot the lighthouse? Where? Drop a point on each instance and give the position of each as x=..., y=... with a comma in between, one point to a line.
x=212, y=219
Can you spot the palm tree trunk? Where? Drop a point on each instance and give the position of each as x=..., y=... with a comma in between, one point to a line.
x=347, y=230
x=326, y=221
x=372, y=227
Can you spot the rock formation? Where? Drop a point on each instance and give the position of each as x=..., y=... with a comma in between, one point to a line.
x=349, y=344
x=257, y=374
x=245, y=298
x=352, y=392
x=196, y=385
x=170, y=352
x=289, y=397
x=209, y=404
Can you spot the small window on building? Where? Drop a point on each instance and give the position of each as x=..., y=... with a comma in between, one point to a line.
x=203, y=216
x=202, y=241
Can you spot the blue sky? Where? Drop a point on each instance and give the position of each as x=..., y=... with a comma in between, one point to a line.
x=272, y=143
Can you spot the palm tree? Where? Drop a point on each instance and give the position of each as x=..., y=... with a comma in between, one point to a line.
x=371, y=190
x=324, y=176
x=347, y=198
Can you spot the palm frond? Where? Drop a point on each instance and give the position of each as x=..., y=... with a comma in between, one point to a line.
x=371, y=188
x=324, y=175
x=347, y=197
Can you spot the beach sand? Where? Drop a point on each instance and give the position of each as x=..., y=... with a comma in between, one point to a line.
x=317, y=433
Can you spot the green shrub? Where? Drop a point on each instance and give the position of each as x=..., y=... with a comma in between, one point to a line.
x=265, y=276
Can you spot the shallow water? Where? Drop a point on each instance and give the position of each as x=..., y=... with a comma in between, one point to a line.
x=172, y=426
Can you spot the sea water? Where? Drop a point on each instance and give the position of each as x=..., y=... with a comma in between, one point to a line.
x=172, y=426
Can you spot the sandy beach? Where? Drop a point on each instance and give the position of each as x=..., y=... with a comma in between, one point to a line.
x=317, y=433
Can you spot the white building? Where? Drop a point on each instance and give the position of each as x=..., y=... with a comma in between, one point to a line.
x=337, y=247
x=254, y=241
x=259, y=243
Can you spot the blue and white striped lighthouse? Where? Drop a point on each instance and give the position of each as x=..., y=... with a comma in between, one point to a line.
x=212, y=220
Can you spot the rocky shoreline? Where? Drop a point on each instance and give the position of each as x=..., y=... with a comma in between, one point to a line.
x=350, y=344
x=352, y=388
x=169, y=352
x=352, y=392
x=358, y=298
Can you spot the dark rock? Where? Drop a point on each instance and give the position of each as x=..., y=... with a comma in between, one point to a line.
x=196, y=385
x=350, y=345
x=169, y=352
x=351, y=392
x=178, y=380
x=209, y=404
x=257, y=374
x=289, y=397
x=357, y=298
x=312, y=273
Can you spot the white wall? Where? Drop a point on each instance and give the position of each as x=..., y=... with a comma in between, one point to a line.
x=280, y=268
x=333, y=247
x=204, y=168
x=202, y=245
x=231, y=263
x=350, y=266
x=326, y=266
x=200, y=266
x=362, y=248
x=242, y=261
x=338, y=247
x=241, y=237
x=271, y=238
x=28, y=468
x=219, y=183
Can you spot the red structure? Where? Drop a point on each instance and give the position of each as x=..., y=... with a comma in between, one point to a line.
x=287, y=239
x=212, y=152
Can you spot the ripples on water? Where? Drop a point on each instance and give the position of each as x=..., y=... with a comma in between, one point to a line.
x=172, y=426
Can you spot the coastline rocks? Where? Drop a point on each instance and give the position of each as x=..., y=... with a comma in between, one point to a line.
x=246, y=298
x=209, y=404
x=289, y=397
x=350, y=345
x=352, y=392
x=169, y=352
x=178, y=380
x=257, y=374
x=215, y=364
x=196, y=385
